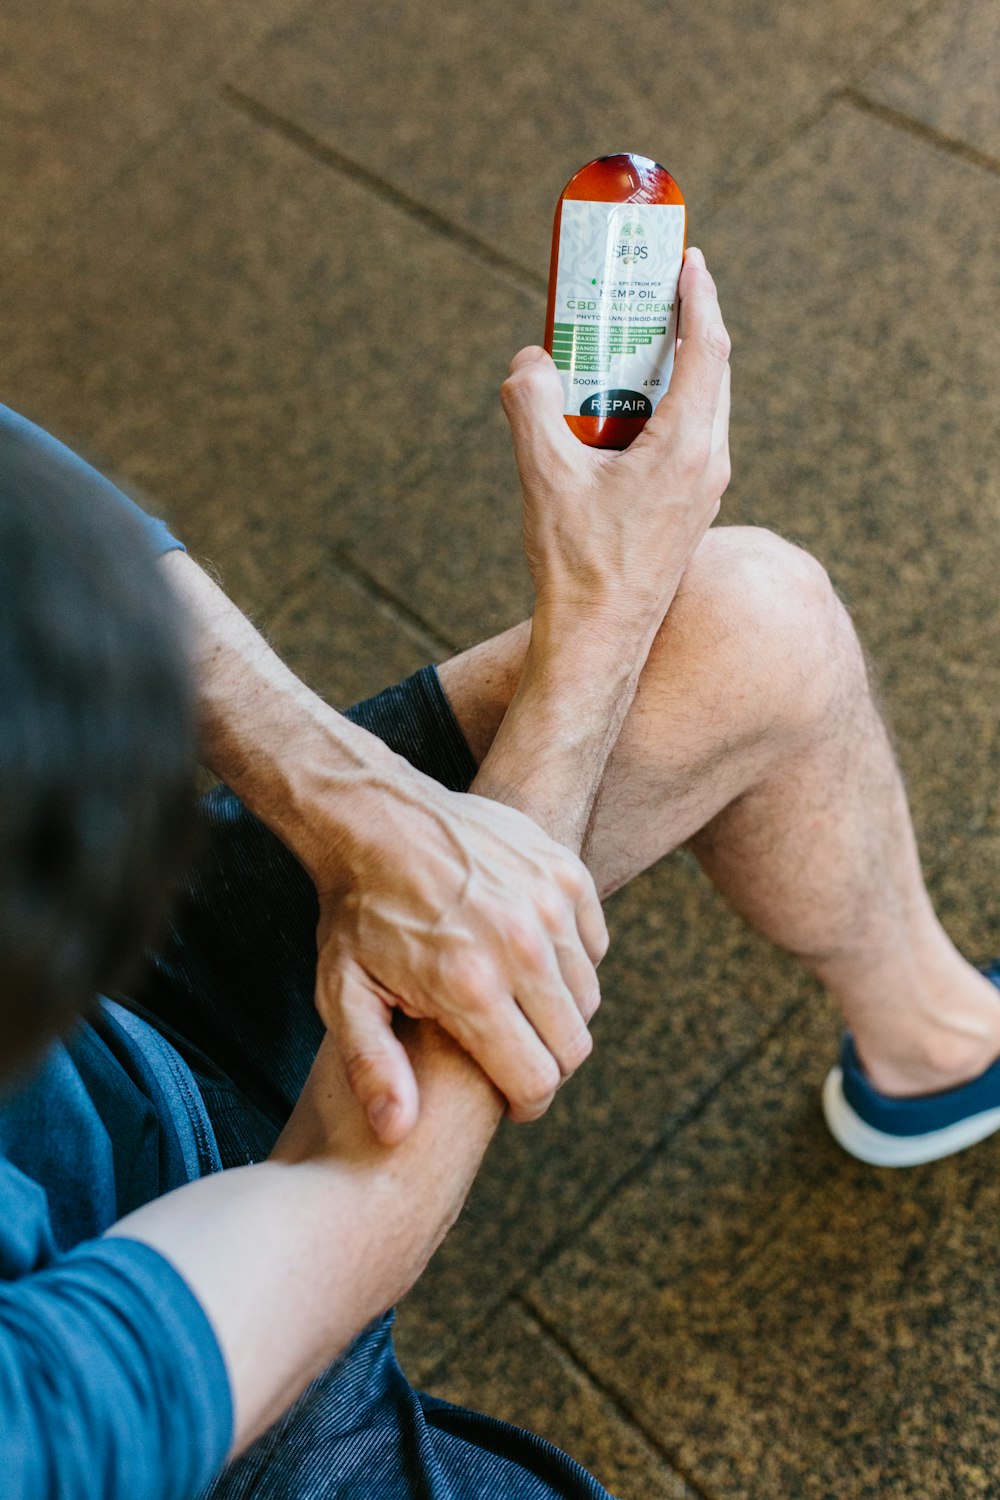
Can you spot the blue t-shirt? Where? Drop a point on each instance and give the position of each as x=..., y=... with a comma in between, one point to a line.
x=112, y=1383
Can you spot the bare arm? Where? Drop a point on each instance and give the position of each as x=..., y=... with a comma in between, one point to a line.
x=428, y=898
x=291, y=1258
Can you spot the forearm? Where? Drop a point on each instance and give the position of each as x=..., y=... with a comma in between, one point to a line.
x=270, y=737
x=362, y=1218
x=550, y=754
x=282, y=749
x=292, y=1258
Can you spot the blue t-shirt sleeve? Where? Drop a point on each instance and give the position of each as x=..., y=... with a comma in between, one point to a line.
x=85, y=478
x=112, y=1382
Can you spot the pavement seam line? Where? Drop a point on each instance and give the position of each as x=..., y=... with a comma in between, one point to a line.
x=549, y=1331
x=479, y=249
x=926, y=133
x=809, y=119
x=396, y=608
x=719, y=198
x=645, y=1158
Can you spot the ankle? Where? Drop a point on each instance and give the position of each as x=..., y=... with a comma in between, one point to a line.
x=928, y=1068
x=955, y=1043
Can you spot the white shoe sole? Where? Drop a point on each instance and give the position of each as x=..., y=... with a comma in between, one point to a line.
x=880, y=1149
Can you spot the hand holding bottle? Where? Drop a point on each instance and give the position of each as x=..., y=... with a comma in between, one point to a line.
x=608, y=534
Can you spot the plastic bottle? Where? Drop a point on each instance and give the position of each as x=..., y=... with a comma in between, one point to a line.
x=611, y=327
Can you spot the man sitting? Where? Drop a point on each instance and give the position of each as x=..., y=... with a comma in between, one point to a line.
x=208, y=1203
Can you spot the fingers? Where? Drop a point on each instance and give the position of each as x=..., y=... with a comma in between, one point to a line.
x=509, y=1048
x=590, y=923
x=579, y=951
x=560, y=999
x=579, y=977
x=532, y=399
x=575, y=881
x=516, y=997
x=703, y=356
x=696, y=385
x=700, y=315
x=378, y=1069
x=573, y=929
x=522, y=1013
x=720, y=434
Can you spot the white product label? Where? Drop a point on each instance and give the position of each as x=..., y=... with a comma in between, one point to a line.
x=616, y=305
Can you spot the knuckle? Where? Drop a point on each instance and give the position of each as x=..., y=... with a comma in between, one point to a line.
x=722, y=473
x=464, y=976
x=577, y=1051
x=717, y=341
x=520, y=386
x=537, y=1087
x=550, y=907
x=701, y=273
x=364, y=1070
x=572, y=877
x=526, y=943
x=592, y=1002
x=509, y=392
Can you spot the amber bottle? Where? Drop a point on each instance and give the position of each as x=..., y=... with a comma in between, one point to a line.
x=611, y=327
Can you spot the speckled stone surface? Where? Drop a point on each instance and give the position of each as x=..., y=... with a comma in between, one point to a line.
x=893, y=490
x=866, y=427
x=688, y=992
x=343, y=639
x=517, y=1371
x=944, y=74
x=450, y=544
x=301, y=370
x=88, y=88
x=789, y=1322
x=786, y=1322
x=485, y=114
x=229, y=334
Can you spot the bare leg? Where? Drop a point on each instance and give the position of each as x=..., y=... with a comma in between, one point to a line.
x=754, y=739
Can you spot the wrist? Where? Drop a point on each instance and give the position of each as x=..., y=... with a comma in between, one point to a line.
x=337, y=790
x=586, y=641
x=306, y=771
x=298, y=765
x=457, y=1101
x=586, y=664
x=577, y=684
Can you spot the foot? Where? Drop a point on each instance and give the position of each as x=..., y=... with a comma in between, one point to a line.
x=887, y=1130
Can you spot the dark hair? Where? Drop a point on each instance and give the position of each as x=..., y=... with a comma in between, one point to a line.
x=96, y=747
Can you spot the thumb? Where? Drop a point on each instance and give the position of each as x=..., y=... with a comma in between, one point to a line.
x=375, y=1060
x=532, y=399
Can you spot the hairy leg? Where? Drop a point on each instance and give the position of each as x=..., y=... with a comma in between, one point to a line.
x=755, y=740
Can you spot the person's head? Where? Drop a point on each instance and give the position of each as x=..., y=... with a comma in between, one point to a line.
x=96, y=748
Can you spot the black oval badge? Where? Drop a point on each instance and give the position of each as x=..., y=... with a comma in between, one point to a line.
x=617, y=404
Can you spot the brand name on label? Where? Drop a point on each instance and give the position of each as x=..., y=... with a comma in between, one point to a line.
x=627, y=251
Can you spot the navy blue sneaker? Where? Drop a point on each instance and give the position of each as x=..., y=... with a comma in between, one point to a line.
x=890, y=1132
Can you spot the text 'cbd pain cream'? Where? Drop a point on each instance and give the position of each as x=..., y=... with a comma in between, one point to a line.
x=611, y=327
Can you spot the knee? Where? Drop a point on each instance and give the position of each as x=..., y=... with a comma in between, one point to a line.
x=754, y=574
x=770, y=610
